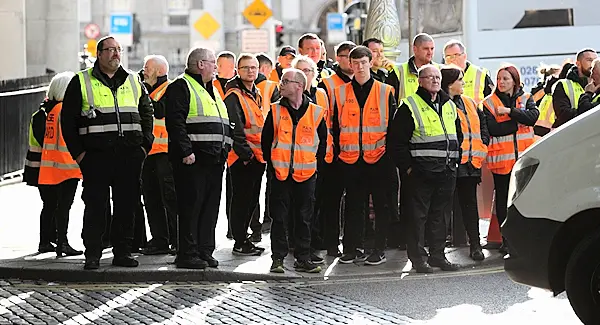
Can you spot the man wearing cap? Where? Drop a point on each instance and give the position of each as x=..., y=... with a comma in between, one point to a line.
x=284, y=61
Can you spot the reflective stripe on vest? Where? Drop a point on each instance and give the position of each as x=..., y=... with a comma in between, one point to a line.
x=33, y=156
x=267, y=88
x=217, y=86
x=573, y=91
x=253, y=126
x=434, y=135
x=547, y=116
x=473, y=149
x=323, y=101
x=294, y=147
x=205, y=110
x=503, y=151
x=474, y=79
x=57, y=165
x=408, y=82
x=363, y=130
x=159, y=129
x=98, y=98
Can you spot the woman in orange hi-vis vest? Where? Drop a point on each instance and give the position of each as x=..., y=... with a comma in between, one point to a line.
x=511, y=114
x=59, y=173
x=474, y=149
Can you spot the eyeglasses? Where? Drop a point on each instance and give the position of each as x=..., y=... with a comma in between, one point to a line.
x=248, y=68
x=308, y=71
x=113, y=50
x=287, y=81
x=438, y=78
x=453, y=56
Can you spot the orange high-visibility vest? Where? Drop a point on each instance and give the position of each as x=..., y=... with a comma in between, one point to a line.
x=217, y=86
x=363, y=130
x=57, y=164
x=253, y=126
x=503, y=151
x=274, y=76
x=267, y=88
x=161, y=137
x=331, y=83
x=323, y=101
x=473, y=149
x=294, y=148
x=539, y=95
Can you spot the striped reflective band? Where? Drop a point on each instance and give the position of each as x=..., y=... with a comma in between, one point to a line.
x=109, y=128
x=90, y=94
x=32, y=164
x=433, y=153
x=54, y=164
x=35, y=149
x=209, y=138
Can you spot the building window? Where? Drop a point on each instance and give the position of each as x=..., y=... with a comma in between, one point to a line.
x=546, y=18
x=178, y=20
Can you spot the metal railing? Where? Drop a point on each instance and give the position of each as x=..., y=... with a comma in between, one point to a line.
x=19, y=98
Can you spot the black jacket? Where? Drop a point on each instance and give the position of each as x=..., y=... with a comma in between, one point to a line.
x=38, y=128
x=361, y=93
x=159, y=106
x=237, y=117
x=518, y=116
x=178, y=108
x=401, y=131
x=260, y=78
x=387, y=77
x=268, y=131
x=467, y=169
x=560, y=101
x=585, y=102
x=71, y=119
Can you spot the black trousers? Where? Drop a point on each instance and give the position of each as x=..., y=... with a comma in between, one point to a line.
x=296, y=200
x=198, y=188
x=430, y=199
x=501, y=183
x=139, y=224
x=360, y=179
x=466, y=191
x=330, y=201
x=120, y=169
x=160, y=199
x=58, y=200
x=246, y=180
x=228, y=195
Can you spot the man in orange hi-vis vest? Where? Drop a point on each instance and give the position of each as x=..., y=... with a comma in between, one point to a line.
x=363, y=109
x=158, y=187
x=245, y=161
x=294, y=137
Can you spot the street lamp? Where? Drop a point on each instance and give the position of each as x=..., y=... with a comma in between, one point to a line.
x=383, y=23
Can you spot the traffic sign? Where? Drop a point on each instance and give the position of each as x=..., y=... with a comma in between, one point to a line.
x=121, y=28
x=206, y=25
x=335, y=27
x=255, y=40
x=91, y=30
x=257, y=13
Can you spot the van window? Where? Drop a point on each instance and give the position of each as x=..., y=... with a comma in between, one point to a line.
x=546, y=18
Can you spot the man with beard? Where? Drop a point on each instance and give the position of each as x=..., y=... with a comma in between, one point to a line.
x=107, y=126
x=591, y=97
x=567, y=91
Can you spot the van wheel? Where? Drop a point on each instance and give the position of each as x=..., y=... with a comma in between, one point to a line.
x=582, y=279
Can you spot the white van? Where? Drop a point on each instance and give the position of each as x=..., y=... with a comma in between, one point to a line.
x=553, y=222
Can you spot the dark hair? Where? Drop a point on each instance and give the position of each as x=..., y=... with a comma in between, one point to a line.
x=565, y=70
x=422, y=38
x=264, y=59
x=343, y=46
x=372, y=40
x=361, y=52
x=226, y=55
x=581, y=52
x=100, y=45
x=450, y=74
x=305, y=37
x=514, y=73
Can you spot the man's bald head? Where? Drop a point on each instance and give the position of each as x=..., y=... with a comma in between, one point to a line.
x=430, y=78
x=155, y=66
x=423, y=47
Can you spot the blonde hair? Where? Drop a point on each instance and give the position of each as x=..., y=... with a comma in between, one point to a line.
x=309, y=61
x=58, y=86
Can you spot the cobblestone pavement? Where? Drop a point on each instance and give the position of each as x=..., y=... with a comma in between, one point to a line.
x=181, y=303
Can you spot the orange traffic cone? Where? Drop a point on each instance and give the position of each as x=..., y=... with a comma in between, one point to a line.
x=494, y=238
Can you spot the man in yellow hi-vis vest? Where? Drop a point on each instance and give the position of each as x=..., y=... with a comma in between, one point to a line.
x=199, y=142
x=107, y=126
x=423, y=48
x=158, y=187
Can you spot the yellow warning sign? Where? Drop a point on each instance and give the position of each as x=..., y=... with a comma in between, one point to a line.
x=206, y=25
x=257, y=13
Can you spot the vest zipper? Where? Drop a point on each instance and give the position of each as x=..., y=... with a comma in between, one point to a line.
x=360, y=133
x=293, y=146
x=445, y=135
x=516, y=144
x=119, y=127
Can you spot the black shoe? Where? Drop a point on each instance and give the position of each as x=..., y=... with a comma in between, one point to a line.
x=125, y=261
x=210, y=261
x=307, y=266
x=246, y=249
x=91, y=264
x=46, y=248
x=334, y=251
x=66, y=249
x=422, y=267
x=376, y=258
x=503, y=249
x=229, y=235
x=190, y=263
x=256, y=237
x=277, y=266
x=106, y=244
x=443, y=264
x=476, y=253
x=316, y=259
x=155, y=250
x=347, y=258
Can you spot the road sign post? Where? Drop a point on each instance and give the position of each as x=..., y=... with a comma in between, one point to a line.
x=121, y=28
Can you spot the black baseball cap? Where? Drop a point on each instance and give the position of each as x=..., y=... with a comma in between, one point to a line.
x=287, y=50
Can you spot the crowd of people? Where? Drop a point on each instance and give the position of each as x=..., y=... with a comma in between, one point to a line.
x=360, y=149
